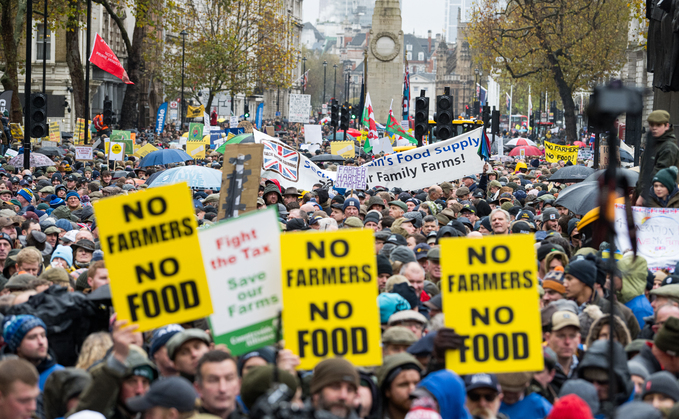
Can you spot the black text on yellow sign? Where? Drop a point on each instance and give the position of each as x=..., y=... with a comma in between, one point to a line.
x=330, y=297
x=555, y=153
x=490, y=298
x=151, y=249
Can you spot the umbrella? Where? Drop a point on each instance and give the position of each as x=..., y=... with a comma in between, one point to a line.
x=352, y=132
x=631, y=175
x=120, y=173
x=521, y=141
x=327, y=157
x=580, y=198
x=164, y=157
x=529, y=151
x=52, y=151
x=579, y=144
x=571, y=174
x=36, y=160
x=197, y=177
x=626, y=157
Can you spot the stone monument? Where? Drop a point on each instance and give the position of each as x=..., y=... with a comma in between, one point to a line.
x=385, y=59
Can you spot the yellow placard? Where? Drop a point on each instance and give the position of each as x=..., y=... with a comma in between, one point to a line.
x=554, y=153
x=195, y=149
x=490, y=297
x=117, y=148
x=55, y=132
x=152, y=253
x=143, y=151
x=343, y=148
x=17, y=131
x=330, y=297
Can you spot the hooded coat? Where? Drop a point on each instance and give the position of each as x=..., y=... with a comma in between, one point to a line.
x=621, y=333
x=273, y=188
x=450, y=393
x=632, y=295
x=62, y=386
x=666, y=155
x=597, y=356
x=672, y=200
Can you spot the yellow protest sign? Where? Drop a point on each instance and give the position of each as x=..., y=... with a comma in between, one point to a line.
x=152, y=253
x=143, y=151
x=490, y=297
x=555, y=152
x=343, y=148
x=330, y=297
x=195, y=149
x=55, y=132
x=17, y=131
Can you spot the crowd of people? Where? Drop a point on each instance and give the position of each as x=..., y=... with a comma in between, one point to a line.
x=64, y=353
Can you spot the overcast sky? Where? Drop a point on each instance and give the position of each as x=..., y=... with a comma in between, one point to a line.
x=415, y=17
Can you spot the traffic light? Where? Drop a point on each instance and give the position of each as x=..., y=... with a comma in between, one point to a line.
x=444, y=116
x=108, y=112
x=532, y=119
x=344, y=119
x=421, y=117
x=246, y=113
x=352, y=112
x=334, y=114
x=38, y=115
x=485, y=116
x=495, y=121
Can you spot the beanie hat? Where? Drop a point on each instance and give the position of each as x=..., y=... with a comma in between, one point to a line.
x=63, y=252
x=16, y=327
x=638, y=410
x=584, y=390
x=572, y=224
x=384, y=266
x=584, y=269
x=667, y=338
x=64, y=224
x=661, y=382
x=636, y=368
x=390, y=303
x=72, y=193
x=331, y=371
x=162, y=335
x=570, y=407
x=266, y=353
x=402, y=254
x=351, y=202
x=372, y=216
x=26, y=193
x=668, y=177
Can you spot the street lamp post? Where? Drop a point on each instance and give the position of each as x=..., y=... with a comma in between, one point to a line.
x=303, y=74
x=325, y=67
x=183, y=35
x=334, y=85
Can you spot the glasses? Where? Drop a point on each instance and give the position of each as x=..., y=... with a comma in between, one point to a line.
x=475, y=397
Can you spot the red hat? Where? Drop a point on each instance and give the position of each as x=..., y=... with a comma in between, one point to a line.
x=570, y=407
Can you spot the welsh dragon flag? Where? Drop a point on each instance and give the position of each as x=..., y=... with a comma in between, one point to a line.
x=394, y=127
x=368, y=121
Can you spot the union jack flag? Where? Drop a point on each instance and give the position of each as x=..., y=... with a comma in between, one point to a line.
x=275, y=156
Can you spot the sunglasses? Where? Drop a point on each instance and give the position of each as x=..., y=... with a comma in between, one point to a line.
x=475, y=397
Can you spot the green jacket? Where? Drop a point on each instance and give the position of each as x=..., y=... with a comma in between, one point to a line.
x=666, y=155
x=634, y=273
x=672, y=202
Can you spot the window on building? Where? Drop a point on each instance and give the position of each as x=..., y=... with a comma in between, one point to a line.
x=40, y=40
x=420, y=56
x=409, y=47
x=409, y=55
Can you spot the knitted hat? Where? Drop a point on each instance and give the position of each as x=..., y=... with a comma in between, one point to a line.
x=162, y=335
x=16, y=327
x=384, y=266
x=570, y=407
x=26, y=193
x=661, y=382
x=667, y=338
x=266, y=353
x=583, y=390
x=390, y=303
x=668, y=177
x=72, y=193
x=584, y=269
x=331, y=371
x=64, y=252
x=351, y=202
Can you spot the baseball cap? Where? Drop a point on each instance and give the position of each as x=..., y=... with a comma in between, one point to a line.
x=421, y=250
x=521, y=227
x=468, y=207
x=562, y=319
x=170, y=392
x=476, y=381
x=397, y=239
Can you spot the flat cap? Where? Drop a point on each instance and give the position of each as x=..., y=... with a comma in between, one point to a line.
x=658, y=117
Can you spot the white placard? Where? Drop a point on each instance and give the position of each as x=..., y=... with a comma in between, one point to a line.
x=350, y=177
x=117, y=152
x=233, y=122
x=11, y=153
x=299, y=108
x=313, y=134
x=84, y=152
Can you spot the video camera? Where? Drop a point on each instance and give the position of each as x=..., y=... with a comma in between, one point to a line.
x=275, y=404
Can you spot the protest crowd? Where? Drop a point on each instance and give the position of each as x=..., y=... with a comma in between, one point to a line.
x=66, y=354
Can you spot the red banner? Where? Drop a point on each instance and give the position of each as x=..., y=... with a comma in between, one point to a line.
x=104, y=58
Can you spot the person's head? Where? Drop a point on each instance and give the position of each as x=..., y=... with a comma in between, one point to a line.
x=72, y=200
x=665, y=181
x=97, y=275
x=429, y=224
x=660, y=390
x=396, y=379
x=514, y=385
x=334, y=386
x=552, y=283
x=415, y=274
x=564, y=337
x=663, y=313
x=217, y=382
x=251, y=360
x=26, y=335
x=29, y=260
x=397, y=209
x=186, y=348
x=351, y=207
x=397, y=339
x=484, y=395
x=410, y=319
x=658, y=123
x=665, y=344
x=19, y=389
x=94, y=349
x=83, y=251
x=499, y=221
x=170, y=398
x=580, y=277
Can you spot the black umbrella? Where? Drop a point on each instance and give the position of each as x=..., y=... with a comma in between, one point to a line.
x=626, y=157
x=580, y=198
x=102, y=294
x=571, y=174
x=52, y=151
x=632, y=176
x=327, y=157
x=120, y=173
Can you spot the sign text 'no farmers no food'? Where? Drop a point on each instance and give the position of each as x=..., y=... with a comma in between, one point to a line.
x=152, y=252
x=330, y=297
x=490, y=298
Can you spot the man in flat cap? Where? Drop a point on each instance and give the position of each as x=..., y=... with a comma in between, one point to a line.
x=664, y=149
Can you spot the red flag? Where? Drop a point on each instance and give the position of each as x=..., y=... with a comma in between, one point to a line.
x=104, y=58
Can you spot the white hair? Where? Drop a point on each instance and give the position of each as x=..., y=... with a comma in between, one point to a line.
x=496, y=210
x=327, y=224
x=405, y=267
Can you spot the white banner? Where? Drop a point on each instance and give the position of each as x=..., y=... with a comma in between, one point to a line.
x=299, y=107
x=657, y=232
x=425, y=166
x=291, y=168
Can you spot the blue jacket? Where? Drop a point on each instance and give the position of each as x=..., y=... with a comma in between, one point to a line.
x=640, y=307
x=450, y=393
x=533, y=406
